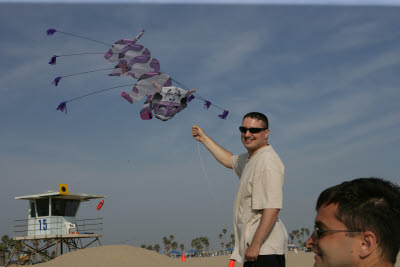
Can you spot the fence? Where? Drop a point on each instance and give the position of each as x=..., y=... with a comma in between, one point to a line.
x=56, y=226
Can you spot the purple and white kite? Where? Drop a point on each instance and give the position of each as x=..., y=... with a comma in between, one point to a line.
x=134, y=60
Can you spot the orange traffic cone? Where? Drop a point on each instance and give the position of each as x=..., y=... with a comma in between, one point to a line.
x=183, y=256
x=231, y=263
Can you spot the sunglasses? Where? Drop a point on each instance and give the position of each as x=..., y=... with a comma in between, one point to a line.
x=243, y=129
x=319, y=233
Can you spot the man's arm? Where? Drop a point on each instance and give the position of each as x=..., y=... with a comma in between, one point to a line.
x=221, y=155
x=268, y=219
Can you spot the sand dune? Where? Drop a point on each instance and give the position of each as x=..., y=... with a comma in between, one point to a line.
x=122, y=255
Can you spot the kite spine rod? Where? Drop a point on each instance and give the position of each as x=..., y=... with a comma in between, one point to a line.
x=107, y=89
x=80, y=54
x=197, y=95
x=90, y=71
x=75, y=35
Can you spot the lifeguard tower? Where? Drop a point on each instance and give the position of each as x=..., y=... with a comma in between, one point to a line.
x=52, y=220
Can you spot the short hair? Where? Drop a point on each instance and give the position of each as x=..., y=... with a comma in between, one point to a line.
x=368, y=204
x=258, y=116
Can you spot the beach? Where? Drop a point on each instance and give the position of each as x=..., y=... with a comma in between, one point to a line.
x=123, y=255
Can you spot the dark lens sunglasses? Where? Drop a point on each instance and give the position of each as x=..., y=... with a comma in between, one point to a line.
x=318, y=232
x=243, y=129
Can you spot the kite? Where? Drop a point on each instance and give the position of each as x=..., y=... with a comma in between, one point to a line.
x=134, y=60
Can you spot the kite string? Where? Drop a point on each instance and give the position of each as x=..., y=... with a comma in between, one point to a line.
x=197, y=95
x=75, y=35
x=107, y=89
x=206, y=176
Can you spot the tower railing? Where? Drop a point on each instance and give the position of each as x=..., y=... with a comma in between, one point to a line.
x=56, y=226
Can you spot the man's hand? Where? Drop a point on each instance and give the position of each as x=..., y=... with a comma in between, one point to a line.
x=198, y=133
x=223, y=156
x=268, y=218
x=252, y=252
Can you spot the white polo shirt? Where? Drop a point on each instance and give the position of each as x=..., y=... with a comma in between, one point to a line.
x=260, y=187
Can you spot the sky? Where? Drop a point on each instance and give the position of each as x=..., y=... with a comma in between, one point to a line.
x=326, y=77
x=239, y=2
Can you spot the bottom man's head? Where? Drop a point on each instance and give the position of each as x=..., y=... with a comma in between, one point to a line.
x=357, y=223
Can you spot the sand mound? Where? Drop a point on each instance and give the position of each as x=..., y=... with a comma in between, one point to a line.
x=122, y=255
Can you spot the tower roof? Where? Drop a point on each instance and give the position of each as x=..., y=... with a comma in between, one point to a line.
x=56, y=194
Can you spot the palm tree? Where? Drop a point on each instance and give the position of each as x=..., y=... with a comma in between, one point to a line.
x=182, y=247
x=233, y=240
x=143, y=245
x=291, y=236
x=224, y=233
x=157, y=247
x=220, y=238
x=149, y=247
x=205, y=241
x=4, y=246
x=296, y=233
x=3, y=250
x=307, y=232
x=5, y=239
x=174, y=245
x=196, y=244
x=167, y=244
x=171, y=237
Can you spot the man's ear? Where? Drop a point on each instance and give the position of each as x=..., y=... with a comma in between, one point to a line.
x=266, y=134
x=369, y=244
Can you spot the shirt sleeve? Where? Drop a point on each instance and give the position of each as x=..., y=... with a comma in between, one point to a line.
x=235, y=165
x=267, y=190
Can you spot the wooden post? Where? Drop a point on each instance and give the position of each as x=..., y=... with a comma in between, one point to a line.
x=56, y=249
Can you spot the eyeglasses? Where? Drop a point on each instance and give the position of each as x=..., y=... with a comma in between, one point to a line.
x=318, y=232
x=243, y=129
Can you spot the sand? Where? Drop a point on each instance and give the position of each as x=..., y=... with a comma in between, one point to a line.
x=123, y=255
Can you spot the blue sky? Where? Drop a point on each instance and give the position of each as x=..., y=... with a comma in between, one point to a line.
x=239, y=2
x=326, y=76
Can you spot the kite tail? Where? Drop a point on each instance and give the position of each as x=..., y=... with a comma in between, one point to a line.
x=62, y=106
x=224, y=115
x=52, y=31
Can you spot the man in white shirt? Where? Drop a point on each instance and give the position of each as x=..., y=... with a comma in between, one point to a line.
x=260, y=236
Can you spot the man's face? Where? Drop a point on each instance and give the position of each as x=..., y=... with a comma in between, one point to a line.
x=252, y=142
x=333, y=249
